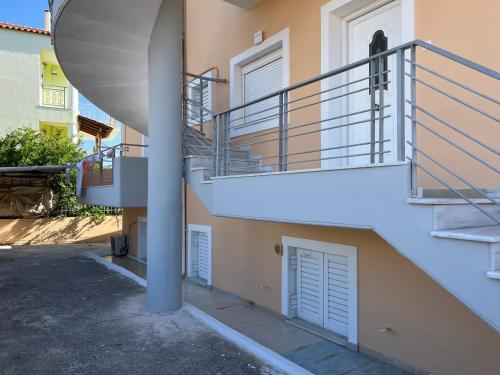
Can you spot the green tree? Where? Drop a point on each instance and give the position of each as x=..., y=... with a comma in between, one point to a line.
x=27, y=147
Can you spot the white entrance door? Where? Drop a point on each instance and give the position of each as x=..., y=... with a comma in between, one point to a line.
x=367, y=35
x=326, y=288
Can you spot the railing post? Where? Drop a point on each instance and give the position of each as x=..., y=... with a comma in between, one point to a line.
x=101, y=169
x=280, y=133
x=201, y=105
x=285, y=131
x=215, y=145
x=381, y=92
x=227, y=136
x=372, y=112
x=400, y=107
x=413, y=76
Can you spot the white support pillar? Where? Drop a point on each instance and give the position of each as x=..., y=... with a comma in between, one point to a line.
x=165, y=160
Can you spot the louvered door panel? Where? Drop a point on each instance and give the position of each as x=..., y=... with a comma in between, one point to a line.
x=310, y=285
x=203, y=254
x=336, y=293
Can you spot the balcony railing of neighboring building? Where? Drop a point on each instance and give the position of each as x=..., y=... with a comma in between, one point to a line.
x=54, y=96
x=412, y=103
x=98, y=168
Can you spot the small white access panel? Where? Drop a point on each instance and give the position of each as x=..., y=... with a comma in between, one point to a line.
x=200, y=252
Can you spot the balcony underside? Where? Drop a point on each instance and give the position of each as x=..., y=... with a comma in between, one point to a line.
x=103, y=50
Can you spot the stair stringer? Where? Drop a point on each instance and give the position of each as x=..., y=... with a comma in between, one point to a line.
x=373, y=197
x=196, y=177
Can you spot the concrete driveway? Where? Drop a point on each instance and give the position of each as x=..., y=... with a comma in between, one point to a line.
x=62, y=313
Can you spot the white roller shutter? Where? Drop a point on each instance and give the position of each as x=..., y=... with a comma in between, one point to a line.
x=260, y=78
x=336, y=293
x=310, y=285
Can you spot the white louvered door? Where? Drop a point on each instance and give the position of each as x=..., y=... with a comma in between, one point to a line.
x=203, y=255
x=310, y=285
x=336, y=293
x=326, y=289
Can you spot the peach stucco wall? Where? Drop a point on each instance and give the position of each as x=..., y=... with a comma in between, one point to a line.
x=58, y=230
x=431, y=330
x=217, y=31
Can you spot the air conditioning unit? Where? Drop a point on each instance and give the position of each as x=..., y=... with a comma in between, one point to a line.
x=119, y=246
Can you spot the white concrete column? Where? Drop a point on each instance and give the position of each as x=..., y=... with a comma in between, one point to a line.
x=165, y=160
x=74, y=102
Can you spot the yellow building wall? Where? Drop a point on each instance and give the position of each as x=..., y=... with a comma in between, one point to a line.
x=53, y=130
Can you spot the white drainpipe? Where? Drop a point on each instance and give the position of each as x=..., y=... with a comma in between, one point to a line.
x=164, y=234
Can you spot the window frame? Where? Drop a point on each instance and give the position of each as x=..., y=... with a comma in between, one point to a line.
x=280, y=40
x=206, y=116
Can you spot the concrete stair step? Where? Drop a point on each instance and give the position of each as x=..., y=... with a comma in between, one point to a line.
x=490, y=234
x=447, y=193
x=457, y=213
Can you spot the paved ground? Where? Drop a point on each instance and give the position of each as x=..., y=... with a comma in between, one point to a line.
x=308, y=350
x=62, y=313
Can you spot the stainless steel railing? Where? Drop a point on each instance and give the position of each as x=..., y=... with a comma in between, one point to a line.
x=196, y=107
x=100, y=165
x=415, y=103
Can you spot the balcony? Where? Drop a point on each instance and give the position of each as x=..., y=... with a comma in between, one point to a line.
x=54, y=96
x=116, y=180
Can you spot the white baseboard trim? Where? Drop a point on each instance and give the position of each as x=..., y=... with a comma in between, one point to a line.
x=116, y=268
x=247, y=344
x=241, y=341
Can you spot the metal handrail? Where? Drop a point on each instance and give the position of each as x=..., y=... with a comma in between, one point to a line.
x=403, y=47
x=456, y=83
x=276, y=115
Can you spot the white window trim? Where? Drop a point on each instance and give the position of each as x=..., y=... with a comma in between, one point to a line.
x=335, y=16
x=280, y=40
x=209, y=104
x=324, y=247
x=208, y=230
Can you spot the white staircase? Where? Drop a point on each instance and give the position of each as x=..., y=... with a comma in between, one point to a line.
x=453, y=235
x=465, y=261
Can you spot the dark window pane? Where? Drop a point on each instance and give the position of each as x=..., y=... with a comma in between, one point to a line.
x=378, y=45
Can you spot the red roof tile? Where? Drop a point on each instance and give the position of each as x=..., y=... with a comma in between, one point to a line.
x=28, y=29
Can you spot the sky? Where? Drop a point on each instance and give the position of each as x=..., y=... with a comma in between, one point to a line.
x=23, y=12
